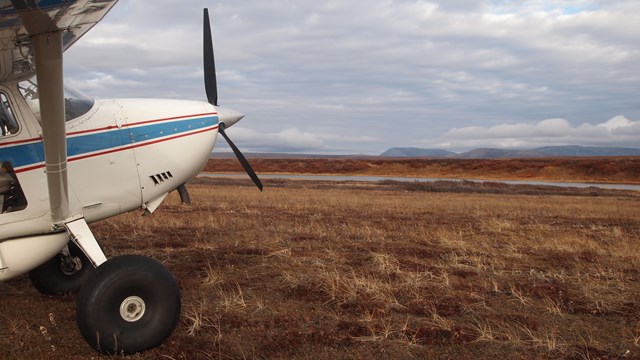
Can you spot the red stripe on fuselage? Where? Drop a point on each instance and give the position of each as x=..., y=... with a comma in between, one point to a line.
x=146, y=122
x=42, y=165
x=110, y=127
x=141, y=144
x=17, y=142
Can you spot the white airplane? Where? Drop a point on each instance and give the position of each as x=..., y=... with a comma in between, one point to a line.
x=68, y=160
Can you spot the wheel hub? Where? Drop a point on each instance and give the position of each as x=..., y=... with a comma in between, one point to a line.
x=132, y=308
x=70, y=265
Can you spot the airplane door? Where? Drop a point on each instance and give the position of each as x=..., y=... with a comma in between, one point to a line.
x=18, y=151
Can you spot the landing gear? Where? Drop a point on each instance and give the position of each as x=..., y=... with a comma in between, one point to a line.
x=129, y=304
x=64, y=273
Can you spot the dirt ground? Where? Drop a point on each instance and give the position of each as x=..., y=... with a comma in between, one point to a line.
x=346, y=270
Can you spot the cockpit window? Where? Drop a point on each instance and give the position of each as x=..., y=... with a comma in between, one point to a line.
x=8, y=123
x=76, y=103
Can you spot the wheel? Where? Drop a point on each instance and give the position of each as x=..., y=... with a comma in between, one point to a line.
x=129, y=304
x=62, y=274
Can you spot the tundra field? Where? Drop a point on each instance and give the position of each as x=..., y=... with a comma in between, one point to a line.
x=385, y=270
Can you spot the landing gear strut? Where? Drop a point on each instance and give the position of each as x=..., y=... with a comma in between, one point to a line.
x=124, y=305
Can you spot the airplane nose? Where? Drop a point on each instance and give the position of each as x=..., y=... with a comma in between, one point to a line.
x=229, y=116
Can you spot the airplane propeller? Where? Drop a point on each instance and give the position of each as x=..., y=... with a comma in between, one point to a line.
x=210, y=81
x=211, y=88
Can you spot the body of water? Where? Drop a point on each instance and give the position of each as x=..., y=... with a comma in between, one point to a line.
x=412, y=179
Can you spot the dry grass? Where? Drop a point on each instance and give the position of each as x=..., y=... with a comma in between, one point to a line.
x=313, y=270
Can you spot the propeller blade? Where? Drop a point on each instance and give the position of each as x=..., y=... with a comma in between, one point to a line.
x=243, y=161
x=211, y=88
x=210, y=82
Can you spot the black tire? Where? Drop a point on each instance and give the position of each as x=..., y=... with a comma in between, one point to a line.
x=115, y=291
x=56, y=278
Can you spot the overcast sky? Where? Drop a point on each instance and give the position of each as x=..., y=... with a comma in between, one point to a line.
x=347, y=77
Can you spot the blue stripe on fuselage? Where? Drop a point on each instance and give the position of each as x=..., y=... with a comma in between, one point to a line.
x=23, y=155
x=26, y=155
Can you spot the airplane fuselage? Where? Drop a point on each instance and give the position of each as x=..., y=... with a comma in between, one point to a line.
x=123, y=154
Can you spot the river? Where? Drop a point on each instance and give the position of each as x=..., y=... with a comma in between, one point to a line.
x=397, y=178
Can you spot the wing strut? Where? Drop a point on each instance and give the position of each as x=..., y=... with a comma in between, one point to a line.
x=46, y=40
x=49, y=73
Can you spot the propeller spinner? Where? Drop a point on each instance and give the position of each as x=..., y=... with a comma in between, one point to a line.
x=227, y=117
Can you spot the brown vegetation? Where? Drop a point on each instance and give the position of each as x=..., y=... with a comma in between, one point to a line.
x=326, y=270
x=594, y=169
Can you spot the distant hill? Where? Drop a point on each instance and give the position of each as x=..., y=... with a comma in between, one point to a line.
x=256, y=155
x=481, y=153
x=491, y=153
x=417, y=152
x=575, y=150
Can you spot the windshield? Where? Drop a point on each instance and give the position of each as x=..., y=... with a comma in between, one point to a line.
x=76, y=103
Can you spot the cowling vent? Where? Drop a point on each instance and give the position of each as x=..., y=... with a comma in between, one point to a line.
x=160, y=178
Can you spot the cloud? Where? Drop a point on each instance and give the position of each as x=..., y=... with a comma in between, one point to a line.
x=617, y=131
x=395, y=71
x=288, y=140
x=546, y=128
x=291, y=140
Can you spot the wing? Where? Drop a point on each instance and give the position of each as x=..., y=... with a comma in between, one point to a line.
x=20, y=20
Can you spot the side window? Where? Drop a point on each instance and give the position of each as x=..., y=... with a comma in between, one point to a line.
x=76, y=103
x=8, y=123
x=11, y=195
x=29, y=91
